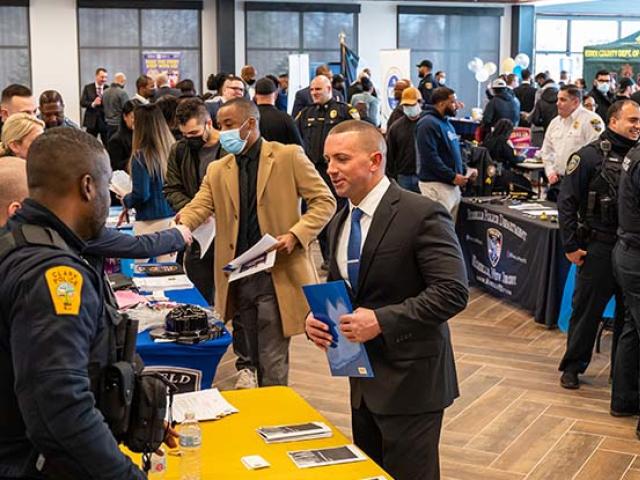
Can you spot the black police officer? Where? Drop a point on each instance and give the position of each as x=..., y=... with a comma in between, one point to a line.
x=55, y=327
x=314, y=123
x=426, y=84
x=587, y=210
x=626, y=265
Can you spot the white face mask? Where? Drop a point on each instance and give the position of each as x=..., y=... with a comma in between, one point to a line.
x=603, y=87
x=412, y=111
x=442, y=81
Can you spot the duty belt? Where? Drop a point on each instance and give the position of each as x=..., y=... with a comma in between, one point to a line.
x=603, y=237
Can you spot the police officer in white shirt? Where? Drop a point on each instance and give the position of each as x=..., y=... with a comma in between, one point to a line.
x=572, y=129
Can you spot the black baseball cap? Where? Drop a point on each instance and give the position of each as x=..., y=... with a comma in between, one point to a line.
x=425, y=63
x=265, y=86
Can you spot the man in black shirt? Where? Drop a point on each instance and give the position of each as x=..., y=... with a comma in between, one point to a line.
x=401, y=141
x=275, y=125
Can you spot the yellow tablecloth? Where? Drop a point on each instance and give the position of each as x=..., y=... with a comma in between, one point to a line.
x=226, y=440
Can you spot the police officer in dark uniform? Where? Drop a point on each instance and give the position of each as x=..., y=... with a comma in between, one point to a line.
x=57, y=329
x=314, y=123
x=626, y=266
x=587, y=208
x=426, y=84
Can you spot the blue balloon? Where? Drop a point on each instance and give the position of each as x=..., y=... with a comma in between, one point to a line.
x=518, y=71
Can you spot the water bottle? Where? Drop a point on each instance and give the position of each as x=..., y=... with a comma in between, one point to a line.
x=190, y=442
x=158, y=466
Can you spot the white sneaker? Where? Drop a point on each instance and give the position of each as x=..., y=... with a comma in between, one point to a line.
x=247, y=378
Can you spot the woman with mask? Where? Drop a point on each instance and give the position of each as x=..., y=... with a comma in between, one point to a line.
x=152, y=141
x=401, y=144
x=18, y=133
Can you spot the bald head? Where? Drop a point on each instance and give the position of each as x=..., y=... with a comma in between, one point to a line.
x=320, y=89
x=13, y=186
x=161, y=80
x=68, y=171
x=120, y=78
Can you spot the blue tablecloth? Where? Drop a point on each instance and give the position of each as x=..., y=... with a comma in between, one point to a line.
x=190, y=367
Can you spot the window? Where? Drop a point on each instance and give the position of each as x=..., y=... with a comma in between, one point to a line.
x=115, y=38
x=272, y=34
x=560, y=40
x=15, y=62
x=450, y=41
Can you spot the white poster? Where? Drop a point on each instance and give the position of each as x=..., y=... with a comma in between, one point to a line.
x=394, y=65
x=298, y=77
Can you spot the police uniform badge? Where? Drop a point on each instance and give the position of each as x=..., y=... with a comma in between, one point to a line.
x=353, y=112
x=333, y=114
x=65, y=288
x=574, y=161
x=576, y=125
x=626, y=163
x=596, y=123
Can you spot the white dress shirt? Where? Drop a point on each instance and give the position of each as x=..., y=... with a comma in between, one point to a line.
x=565, y=136
x=368, y=205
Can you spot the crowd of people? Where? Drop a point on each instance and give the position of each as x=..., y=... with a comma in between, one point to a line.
x=381, y=202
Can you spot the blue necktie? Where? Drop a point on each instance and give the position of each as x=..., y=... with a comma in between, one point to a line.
x=353, y=248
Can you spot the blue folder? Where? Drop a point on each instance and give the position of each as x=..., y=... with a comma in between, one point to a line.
x=328, y=302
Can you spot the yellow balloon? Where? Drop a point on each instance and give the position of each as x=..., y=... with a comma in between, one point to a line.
x=508, y=64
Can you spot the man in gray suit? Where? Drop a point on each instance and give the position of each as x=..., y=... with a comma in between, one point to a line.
x=399, y=254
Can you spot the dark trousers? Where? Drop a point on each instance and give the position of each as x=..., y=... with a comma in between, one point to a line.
x=111, y=129
x=322, y=236
x=200, y=270
x=626, y=374
x=258, y=341
x=100, y=129
x=406, y=446
x=595, y=284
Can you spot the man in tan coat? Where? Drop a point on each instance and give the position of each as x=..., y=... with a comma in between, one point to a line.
x=253, y=191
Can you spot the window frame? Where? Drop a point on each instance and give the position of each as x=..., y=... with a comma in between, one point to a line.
x=300, y=9
x=140, y=47
x=21, y=4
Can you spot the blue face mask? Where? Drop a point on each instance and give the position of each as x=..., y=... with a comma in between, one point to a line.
x=231, y=140
x=603, y=87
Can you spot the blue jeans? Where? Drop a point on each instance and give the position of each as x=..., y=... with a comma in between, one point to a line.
x=409, y=182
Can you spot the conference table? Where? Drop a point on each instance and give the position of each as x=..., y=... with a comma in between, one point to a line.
x=227, y=440
x=514, y=256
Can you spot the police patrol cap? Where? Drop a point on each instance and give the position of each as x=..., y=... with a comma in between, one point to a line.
x=410, y=96
x=425, y=63
x=265, y=86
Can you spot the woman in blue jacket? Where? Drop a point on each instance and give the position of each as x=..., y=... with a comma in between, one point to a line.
x=152, y=141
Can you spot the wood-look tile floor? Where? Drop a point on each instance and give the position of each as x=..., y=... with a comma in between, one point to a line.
x=512, y=419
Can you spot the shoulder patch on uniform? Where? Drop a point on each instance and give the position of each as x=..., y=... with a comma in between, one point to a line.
x=428, y=85
x=573, y=163
x=596, y=123
x=354, y=113
x=626, y=163
x=65, y=287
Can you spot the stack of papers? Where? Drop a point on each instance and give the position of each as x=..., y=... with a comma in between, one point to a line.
x=154, y=284
x=120, y=183
x=326, y=456
x=205, y=234
x=258, y=258
x=294, y=433
x=128, y=299
x=205, y=404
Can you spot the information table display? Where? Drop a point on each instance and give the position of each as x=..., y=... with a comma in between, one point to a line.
x=514, y=256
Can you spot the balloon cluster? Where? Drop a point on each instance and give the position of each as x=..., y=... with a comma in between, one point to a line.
x=483, y=70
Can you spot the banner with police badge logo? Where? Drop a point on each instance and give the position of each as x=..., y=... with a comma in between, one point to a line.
x=514, y=257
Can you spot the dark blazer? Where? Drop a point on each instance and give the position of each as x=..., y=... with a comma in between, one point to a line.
x=92, y=115
x=413, y=276
x=527, y=96
x=162, y=91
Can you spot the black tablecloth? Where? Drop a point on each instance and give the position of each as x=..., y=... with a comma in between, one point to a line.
x=514, y=256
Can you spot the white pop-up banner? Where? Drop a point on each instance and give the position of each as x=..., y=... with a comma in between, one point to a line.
x=394, y=65
x=298, y=77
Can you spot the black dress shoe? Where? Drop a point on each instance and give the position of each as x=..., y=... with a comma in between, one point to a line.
x=570, y=380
